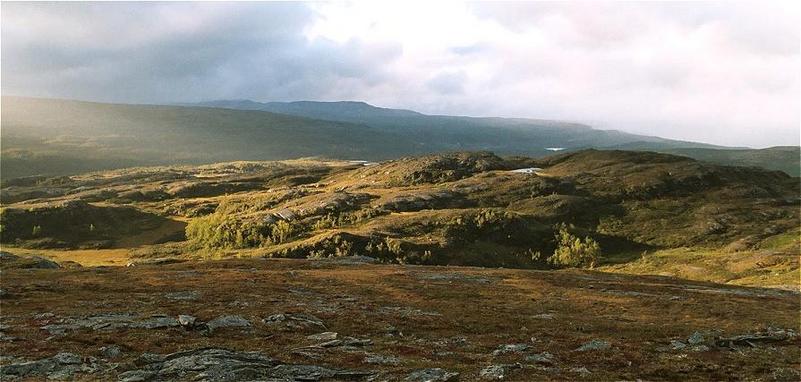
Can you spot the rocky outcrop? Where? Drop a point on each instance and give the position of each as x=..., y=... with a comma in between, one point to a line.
x=217, y=364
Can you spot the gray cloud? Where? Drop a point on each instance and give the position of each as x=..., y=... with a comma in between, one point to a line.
x=719, y=72
x=142, y=53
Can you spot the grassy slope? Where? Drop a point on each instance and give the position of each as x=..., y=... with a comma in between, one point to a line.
x=772, y=263
x=782, y=158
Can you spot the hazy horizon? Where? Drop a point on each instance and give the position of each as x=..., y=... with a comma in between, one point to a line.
x=720, y=73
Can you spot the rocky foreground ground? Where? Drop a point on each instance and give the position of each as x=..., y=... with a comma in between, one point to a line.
x=304, y=320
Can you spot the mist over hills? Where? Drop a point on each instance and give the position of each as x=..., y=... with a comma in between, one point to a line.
x=60, y=137
x=507, y=135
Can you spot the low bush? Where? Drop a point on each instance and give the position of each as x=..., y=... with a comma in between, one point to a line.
x=572, y=251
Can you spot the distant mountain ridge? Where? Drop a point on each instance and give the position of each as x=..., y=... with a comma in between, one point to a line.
x=506, y=135
x=785, y=158
x=60, y=137
x=348, y=111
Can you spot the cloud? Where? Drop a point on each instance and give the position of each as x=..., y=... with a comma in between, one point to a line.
x=157, y=52
x=723, y=73
x=448, y=83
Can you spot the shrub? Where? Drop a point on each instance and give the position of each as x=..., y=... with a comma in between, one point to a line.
x=282, y=230
x=571, y=251
x=222, y=231
x=325, y=222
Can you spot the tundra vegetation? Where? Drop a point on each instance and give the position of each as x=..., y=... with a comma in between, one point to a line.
x=568, y=278
x=590, y=209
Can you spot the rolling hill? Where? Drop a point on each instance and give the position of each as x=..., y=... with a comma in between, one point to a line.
x=60, y=137
x=467, y=208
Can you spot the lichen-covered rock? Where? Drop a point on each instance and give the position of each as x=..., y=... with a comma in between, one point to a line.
x=497, y=372
x=217, y=364
x=295, y=321
x=62, y=366
x=594, y=345
x=110, y=321
x=432, y=375
x=510, y=348
x=230, y=321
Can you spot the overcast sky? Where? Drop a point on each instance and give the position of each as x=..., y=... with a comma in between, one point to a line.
x=726, y=73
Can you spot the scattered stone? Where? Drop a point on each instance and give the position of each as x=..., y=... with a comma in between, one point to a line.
x=699, y=348
x=295, y=321
x=67, y=358
x=770, y=335
x=183, y=296
x=346, y=341
x=497, y=372
x=136, y=376
x=43, y=316
x=696, y=338
x=324, y=336
x=543, y=358
x=510, y=348
x=432, y=375
x=580, y=370
x=186, y=320
x=111, y=321
x=378, y=359
x=406, y=311
x=453, y=341
x=594, y=345
x=230, y=321
x=677, y=345
x=155, y=322
x=217, y=364
x=111, y=351
x=59, y=367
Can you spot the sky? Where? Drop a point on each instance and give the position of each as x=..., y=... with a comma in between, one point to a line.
x=727, y=73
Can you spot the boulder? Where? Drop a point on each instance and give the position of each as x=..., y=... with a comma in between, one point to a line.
x=62, y=366
x=230, y=321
